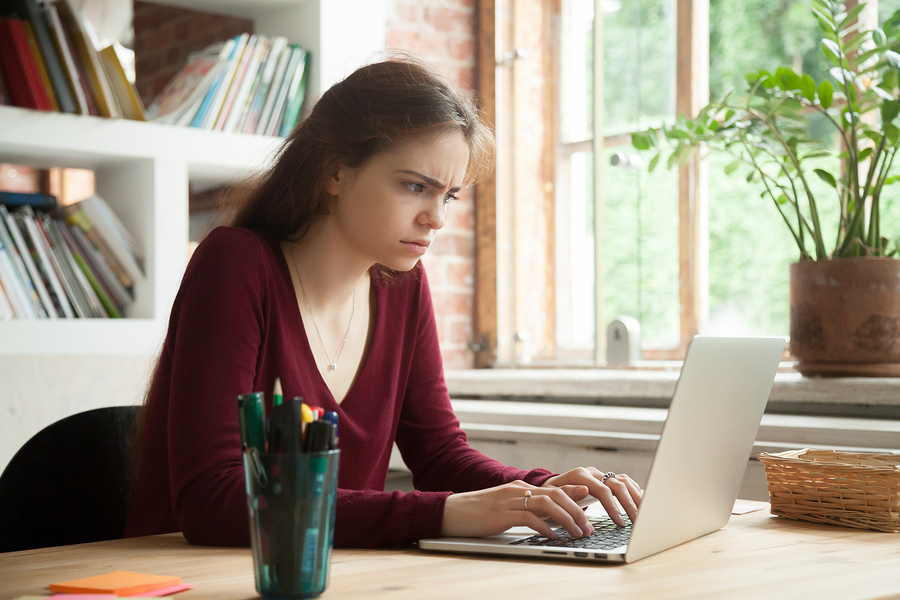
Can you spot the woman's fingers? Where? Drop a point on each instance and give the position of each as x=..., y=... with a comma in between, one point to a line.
x=558, y=505
x=616, y=492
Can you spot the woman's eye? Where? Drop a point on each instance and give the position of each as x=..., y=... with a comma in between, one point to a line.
x=450, y=198
x=415, y=187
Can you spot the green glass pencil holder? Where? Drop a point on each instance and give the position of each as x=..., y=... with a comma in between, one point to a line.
x=291, y=499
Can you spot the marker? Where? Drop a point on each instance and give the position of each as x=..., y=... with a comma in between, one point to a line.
x=252, y=419
x=277, y=395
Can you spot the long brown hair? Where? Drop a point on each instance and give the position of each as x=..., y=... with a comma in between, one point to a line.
x=377, y=106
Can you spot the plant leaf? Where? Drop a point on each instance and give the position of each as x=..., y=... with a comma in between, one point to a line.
x=808, y=87
x=653, y=162
x=893, y=59
x=826, y=177
x=826, y=92
x=732, y=167
x=640, y=141
x=887, y=96
x=852, y=14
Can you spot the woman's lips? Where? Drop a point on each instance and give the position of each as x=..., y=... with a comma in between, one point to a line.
x=416, y=247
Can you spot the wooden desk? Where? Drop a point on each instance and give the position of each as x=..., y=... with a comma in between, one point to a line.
x=755, y=556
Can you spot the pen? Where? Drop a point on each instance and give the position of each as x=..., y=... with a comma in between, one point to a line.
x=252, y=420
x=287, y=427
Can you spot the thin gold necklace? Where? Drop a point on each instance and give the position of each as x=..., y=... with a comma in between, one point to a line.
x=332, y=365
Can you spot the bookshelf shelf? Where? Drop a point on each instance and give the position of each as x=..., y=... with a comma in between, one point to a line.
x=144, y=170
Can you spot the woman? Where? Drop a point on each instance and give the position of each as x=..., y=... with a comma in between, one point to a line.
x=319, y=284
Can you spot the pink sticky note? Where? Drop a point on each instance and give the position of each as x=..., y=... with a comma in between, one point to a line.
x=85, y=596
x=741, y=508
x=164, y=591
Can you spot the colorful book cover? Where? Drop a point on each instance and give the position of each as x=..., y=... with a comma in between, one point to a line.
x=215, y=106
x=30, y=11
x=12, y=227
x=274, y=88
x=236, y=83
x=200, y=115
x=273, y=127
x=129, y=101
x=82, y=34
x=67, y=58
x=41, y=66
x=276, y=49
x=236, y=114
x=20, y=72
x=188, y=86
x=41, y=253
x=21, y=271
x=296, y=95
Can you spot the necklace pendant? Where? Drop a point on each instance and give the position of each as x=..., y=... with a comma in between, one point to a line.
x=333, y=366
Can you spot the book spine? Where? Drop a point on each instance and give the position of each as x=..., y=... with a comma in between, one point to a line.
x=215, y=107
x=278, y=109
x=55, y=71
x=109, y=283
x=236, y=83
x=41, y=252
x=25, y=252
x=66, y=277
x=95, y=76
x=38, y=201
x=254, y=90
x=41, y=66
x=19, y=69
x=21, y=270
x=15, y=293
x=62, y=46
x=296, y=95
x=274, y=88
x=70, y=249
x=250, y=75
x=273, y=59
x=77, y=216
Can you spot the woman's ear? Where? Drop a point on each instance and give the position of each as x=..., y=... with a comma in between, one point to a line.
x=335, y=180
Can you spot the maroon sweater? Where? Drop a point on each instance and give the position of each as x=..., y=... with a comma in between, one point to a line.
x=235, y=327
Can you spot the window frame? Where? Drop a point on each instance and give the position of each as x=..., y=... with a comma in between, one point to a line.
x=692, y=93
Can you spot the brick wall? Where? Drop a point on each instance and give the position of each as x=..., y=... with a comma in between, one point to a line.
x=441, y=31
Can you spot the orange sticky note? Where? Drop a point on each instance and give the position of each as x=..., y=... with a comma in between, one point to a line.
x=120, y=583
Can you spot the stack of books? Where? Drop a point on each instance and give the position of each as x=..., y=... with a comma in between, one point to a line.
x=248, y=84
x=75, y=261
x=49, y=61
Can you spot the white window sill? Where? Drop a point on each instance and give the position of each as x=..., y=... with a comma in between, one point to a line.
x=791, y=393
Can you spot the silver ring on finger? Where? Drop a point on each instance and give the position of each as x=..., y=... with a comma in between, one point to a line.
x=527, y=496
x=609, y=475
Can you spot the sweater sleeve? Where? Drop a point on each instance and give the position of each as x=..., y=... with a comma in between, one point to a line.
x=217, y=321
x=429, y=436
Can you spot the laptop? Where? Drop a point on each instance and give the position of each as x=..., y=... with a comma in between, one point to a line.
x=696, y=472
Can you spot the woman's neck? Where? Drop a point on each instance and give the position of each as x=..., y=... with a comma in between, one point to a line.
x=329, y=275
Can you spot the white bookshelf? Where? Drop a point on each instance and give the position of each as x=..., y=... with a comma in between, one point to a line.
x=143, y=170
x=50, y=369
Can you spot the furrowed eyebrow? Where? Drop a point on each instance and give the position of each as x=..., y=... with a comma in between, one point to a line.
x=429, y=180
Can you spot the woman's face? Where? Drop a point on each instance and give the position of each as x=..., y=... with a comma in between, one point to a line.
x=389, y=210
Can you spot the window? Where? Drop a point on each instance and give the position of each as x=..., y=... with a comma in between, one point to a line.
x=682, y=250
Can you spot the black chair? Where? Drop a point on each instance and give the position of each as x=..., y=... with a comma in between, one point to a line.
x=69, y=483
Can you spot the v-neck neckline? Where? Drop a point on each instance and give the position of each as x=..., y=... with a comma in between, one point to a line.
x=306, y=349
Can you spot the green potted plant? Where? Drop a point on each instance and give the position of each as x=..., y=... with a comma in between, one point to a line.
x=845, y=294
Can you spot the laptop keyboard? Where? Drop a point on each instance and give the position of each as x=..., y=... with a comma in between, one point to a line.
x=607, y=535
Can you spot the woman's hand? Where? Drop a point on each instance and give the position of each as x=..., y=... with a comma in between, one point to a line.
x=496, y=509
x=605, y=489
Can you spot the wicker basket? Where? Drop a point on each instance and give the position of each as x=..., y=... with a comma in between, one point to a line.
x=841, y=488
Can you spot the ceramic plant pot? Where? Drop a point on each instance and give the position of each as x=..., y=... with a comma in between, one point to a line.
x=845, y=317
